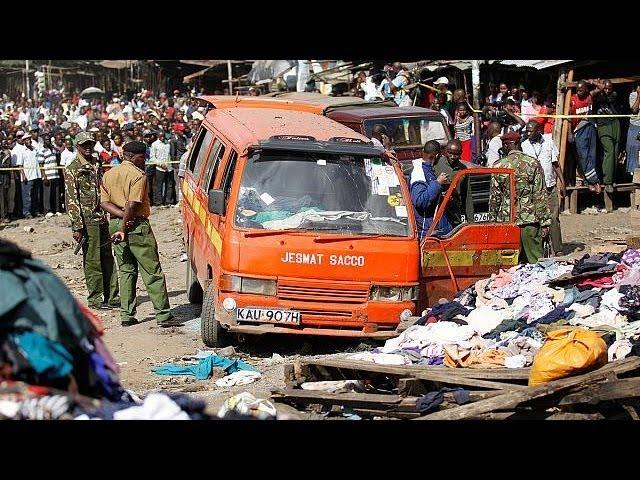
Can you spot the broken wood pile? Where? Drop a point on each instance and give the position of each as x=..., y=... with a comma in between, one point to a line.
x=611, y=392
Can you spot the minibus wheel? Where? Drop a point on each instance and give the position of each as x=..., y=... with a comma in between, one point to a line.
x=193, y=288
x=213, y=334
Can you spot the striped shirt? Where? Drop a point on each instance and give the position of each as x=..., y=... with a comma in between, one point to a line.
x=47, y=158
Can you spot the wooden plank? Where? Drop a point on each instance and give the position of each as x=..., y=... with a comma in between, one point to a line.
x=363, y=400
x=573, y=205
x=411, y=387
x=615, y=390
x=576, y=416
x=608, y=201
x=512, y=399
x=571, y=84
x=437, y=374
x=488, y=373
x=631, y=411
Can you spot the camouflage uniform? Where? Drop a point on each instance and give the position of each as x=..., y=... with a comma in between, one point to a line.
x=532, y=203
x=82, y=197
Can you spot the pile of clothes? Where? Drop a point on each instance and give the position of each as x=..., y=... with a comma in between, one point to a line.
x=53, y=362
x=502, y=321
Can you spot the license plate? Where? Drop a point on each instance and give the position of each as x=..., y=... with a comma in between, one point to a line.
x=268, y=315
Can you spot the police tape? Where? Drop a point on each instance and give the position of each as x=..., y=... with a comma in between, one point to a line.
x=61, y=167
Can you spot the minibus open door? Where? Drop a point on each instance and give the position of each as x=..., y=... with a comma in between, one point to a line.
x=486, y=240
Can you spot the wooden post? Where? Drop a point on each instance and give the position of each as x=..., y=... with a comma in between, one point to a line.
x=565, y=123
x=557, y=126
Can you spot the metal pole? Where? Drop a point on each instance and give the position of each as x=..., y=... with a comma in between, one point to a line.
x=230, y=73
x=26, y=62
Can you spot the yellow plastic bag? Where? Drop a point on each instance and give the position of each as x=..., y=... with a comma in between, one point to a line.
x=567, y=352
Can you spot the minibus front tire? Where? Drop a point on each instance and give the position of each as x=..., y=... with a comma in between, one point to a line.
x=213, y=334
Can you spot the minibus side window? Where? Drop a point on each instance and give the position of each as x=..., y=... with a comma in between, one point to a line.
x=217, y=153
x=200, y=153
x=228, y=176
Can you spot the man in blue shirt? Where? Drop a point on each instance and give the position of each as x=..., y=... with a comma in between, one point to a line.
x=425, y=190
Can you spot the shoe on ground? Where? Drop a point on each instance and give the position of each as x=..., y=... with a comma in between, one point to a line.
x=27, y=216
x=172, y=322
x=129, y=323
x=101, y=306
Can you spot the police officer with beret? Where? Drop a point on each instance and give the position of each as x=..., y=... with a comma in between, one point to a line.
x=124, y=195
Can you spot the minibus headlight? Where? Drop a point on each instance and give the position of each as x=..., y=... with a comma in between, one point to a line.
x=392, y=294
x=259, y=286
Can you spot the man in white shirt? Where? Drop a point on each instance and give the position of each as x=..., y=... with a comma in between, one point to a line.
x=495, y=144
x=30, y=177
x=165, y=185
x=24, y=117
x=542, y=148
x=82, y=120
x=68, y=154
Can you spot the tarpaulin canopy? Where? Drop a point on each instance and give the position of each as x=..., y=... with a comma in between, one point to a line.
x=268, y=69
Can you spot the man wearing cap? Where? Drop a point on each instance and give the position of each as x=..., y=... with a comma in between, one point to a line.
x=124, y=195
x=532, y=204
x=82, y=198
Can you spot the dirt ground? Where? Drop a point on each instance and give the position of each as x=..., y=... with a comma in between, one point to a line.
x=138, y=348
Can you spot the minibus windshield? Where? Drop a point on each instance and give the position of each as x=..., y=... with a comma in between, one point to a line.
x=321, y=192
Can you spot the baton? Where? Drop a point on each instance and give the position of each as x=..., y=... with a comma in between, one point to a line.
x=82, y=241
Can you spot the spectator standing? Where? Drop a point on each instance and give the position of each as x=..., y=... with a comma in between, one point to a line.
x=50, y=178
x=6, y=179
x=633, y=135
x=542, y=148
x=585, y=135
x=398, y=85
x=463, y=129
x=449, y=163
x=148, y=137
x=165, y=185
x=605, y=102
x=68, y=154
x=16, y=150
x=30, y=176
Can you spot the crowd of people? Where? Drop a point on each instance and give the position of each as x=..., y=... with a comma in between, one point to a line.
x=90, y=157
x=39, y=140
x=595, y=141
x=516, y=131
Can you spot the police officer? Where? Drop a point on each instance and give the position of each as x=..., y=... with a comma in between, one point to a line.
x=124, y=195
x=82, y=198
x=532, y=204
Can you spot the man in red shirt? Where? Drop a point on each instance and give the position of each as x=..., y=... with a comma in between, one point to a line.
x=585, y=135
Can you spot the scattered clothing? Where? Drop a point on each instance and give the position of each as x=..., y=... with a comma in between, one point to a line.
x=203, y=369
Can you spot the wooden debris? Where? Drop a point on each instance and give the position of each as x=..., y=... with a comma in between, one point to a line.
x=393, y=391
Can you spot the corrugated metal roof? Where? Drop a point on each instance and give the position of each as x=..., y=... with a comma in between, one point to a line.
x=537, y=64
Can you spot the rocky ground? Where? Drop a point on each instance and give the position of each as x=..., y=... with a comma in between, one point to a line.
x=143, y=346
